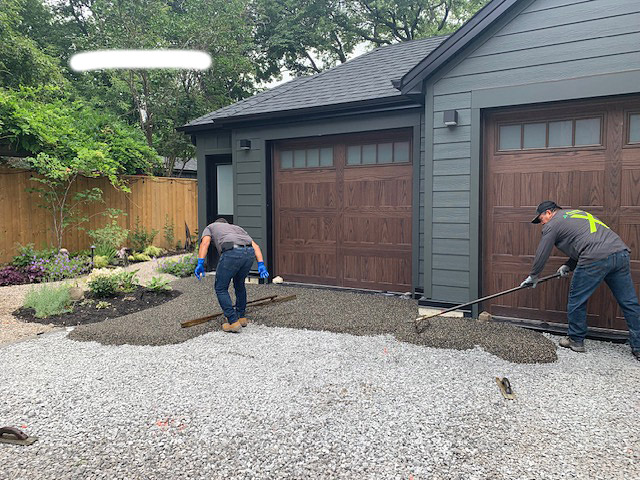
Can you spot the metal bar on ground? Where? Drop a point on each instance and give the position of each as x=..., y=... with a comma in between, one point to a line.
x=258, y=302
x=417, y=321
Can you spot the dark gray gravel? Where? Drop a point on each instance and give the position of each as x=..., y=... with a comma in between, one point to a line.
x=318, y=309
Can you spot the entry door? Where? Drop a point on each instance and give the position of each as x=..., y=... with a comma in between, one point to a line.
x=219, y=195
x=583, y=155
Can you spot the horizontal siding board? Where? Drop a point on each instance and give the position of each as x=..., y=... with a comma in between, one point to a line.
x=451, y=183
x=247, y=178
x=450, y=262
x=455, y=166
x=451, y=199
x=451, y=215
x=452, y=150
x=600, y=28
x=450, y=278
x=248, y=167
x=451, y=246
x=570, y=14
x=450, y=294
x=249, y=222
x=250, y=189
x=249, y=200
x=452, y=134
x=451, y=231
x=248, y=211
x=551, y=72
x=585, y=49
x=549, y=4
x=451, y=101
x=464, y=115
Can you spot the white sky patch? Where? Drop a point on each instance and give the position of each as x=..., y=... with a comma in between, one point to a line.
x=140, y=59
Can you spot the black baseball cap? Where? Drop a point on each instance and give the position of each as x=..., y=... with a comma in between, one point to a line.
x=543, y=207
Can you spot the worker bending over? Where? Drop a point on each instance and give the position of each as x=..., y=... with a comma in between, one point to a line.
x=237, y=251
x=596, y=253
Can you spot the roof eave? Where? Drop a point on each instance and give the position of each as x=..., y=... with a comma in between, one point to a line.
x=231, y=122
x=414, y=79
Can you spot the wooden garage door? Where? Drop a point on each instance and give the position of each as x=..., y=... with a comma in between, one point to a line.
x=582, y=155
x=342, y=210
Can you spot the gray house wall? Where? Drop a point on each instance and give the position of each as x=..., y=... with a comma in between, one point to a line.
x=250, y=174
x=556, y=45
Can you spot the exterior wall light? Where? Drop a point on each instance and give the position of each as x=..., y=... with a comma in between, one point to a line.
x=451, y=118
x=245, y=144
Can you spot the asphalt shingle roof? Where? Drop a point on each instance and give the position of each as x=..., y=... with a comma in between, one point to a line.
x=366, y=77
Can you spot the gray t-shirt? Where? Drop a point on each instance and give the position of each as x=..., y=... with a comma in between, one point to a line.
x=580, y=236
x=225, y=232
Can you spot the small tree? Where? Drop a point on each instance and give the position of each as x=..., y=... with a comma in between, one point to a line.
x=68, y=139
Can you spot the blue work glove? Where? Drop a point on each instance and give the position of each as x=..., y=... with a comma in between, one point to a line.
x=262, y=270
x=200, y=269
x=564, y=270
x=530, y=281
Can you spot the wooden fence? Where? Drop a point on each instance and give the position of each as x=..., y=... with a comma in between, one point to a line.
x=151, y=200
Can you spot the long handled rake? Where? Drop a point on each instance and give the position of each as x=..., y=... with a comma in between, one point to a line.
x=421, y=323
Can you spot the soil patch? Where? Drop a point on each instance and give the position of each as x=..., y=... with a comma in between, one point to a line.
x=86, y=311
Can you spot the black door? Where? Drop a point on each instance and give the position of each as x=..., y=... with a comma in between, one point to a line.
x=219, y=196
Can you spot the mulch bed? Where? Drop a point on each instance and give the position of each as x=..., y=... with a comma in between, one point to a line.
x=85, y=311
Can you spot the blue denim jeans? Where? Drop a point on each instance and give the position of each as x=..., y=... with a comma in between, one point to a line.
x=233, y=265
x=616, y=272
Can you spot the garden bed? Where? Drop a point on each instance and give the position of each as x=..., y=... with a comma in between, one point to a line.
x=85, y=311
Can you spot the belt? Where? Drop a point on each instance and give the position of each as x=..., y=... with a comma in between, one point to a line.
x=227, y=248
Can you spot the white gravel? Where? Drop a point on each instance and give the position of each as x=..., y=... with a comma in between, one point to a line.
x=284, y=403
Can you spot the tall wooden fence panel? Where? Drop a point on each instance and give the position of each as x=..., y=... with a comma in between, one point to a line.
x=152, y=201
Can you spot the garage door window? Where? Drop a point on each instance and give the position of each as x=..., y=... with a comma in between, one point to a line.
x=582, y=132
x=378, y=153
x=634, y=128
x=307, y=158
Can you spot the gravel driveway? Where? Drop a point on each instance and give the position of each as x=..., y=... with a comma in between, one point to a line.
x=280, y=403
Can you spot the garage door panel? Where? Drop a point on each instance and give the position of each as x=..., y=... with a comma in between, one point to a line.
x=357, y=217
x=604, y=180
x=308, y=229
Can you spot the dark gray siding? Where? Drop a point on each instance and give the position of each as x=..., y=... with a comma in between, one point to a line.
x=543, y=41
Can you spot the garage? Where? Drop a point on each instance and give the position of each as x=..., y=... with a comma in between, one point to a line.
x=583, y=155
x=342, y=211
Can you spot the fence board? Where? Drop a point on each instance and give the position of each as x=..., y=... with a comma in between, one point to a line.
x=151, y=199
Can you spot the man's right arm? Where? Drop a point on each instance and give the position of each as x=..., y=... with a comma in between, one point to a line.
x=543, y=252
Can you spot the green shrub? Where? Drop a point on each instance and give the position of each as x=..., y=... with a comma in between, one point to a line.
x=48, y=300
x=103, y=285
x=106, y=251
x=152, y=251
x=180, y=268
x=127, y=281
x=102, y=304
x=140, y=238
x=110, y=237
x=168, y=231
x=139, y=257
x=158, y=284
x=27, y=255
x=100, y=261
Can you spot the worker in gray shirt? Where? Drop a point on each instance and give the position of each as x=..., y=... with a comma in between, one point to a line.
x=596, y=253
x=237, y=251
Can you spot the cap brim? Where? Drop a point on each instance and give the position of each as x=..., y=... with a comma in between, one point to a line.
x=536, y=219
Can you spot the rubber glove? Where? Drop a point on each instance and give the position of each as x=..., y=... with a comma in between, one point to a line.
x=530, y=281
x=262, y=270
x=564, y=270
x=199, y=271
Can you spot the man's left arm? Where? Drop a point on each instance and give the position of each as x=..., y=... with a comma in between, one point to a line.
x=261, y=268
x=202, y=253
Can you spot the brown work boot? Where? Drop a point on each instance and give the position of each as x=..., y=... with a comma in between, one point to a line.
x=243, y=321
x=566, y=342
x=231, y=327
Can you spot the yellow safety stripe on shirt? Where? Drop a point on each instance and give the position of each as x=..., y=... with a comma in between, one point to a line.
x=587, y=216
